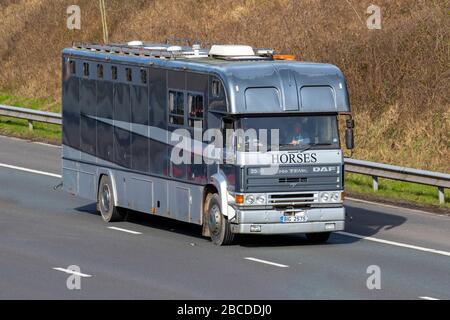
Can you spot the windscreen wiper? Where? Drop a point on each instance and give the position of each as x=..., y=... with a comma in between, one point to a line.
x=315, y=144
x=301, y=150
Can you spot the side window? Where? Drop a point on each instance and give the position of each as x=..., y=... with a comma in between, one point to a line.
x=72, y=67
x=86, y=69
x=129, y=75
x=114, y=72
x=176, y=107
x=143, y=76
x=217, y=99
x=100, y=71
x=195, y=108
x=215, y=90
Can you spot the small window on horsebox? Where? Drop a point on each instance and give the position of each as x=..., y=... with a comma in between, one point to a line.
x=262, y=99
x=86, y=69
x=176, y=107
x=114, y=72
x=100, y=71
x=195, y=108
x=143, y=76
x=72, y=67
x=128, y=72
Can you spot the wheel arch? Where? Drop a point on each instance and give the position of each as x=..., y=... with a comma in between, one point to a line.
x=108, y=173
x=219, y=182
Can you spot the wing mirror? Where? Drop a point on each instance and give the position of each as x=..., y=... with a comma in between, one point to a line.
x=349, y=139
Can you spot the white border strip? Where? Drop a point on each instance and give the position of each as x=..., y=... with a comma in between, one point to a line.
x=428, y=298
x=73, y=272
x=393, y=243
x=125, y=230
x=54, y=175
x=267, y=262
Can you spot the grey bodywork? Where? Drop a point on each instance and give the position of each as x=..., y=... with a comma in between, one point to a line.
x=300, y=88
x=289, y=77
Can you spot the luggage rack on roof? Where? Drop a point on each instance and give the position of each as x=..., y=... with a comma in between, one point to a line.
x=146, y=49
x=168, y=51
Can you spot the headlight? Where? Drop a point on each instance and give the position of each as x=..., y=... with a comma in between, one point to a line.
x=249, y=199
x=325, y=197
x=335, y=197
x=260, y=200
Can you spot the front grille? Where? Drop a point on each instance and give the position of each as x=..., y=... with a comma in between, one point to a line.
x=292, y=180
x=293, y=198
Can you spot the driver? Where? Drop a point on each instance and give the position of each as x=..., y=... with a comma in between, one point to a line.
x=298, y=138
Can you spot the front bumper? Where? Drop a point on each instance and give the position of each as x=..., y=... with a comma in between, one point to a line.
x=268, y=221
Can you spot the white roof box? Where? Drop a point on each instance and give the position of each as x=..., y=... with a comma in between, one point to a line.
x=135, y=43
x=231, y=50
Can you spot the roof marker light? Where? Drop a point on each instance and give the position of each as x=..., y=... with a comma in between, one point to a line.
x=284, y=57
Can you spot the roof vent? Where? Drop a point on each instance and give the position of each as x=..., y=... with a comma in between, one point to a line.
x=231, y=51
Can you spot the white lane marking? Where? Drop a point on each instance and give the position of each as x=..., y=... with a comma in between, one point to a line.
x=428, y=298
x=393, y=243
x=394, y=207
x=267, y=262
x=29, y=141
x=124, y=230
x=46, y=144
x=73, y=272
x=4, y=165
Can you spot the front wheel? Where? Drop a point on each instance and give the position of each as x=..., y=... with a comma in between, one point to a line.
x=320, y=237
x=218, y=225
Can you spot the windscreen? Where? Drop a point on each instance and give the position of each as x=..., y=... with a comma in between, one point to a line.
x=294, y=132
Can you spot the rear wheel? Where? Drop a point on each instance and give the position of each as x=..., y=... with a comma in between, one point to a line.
x=218, y=225
x=105, y=201
x=320, y=237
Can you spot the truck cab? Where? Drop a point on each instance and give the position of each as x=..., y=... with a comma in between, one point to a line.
x=283, y=171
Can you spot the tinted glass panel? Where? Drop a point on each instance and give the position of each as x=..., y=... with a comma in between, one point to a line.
x=88, y=104
x=295, y=132
x=262, y=99
x=71, y=113
x=318, y=98
x=158, y=98
x=104, y=123
x=217, y=99
x=139, y=141
x=122, y=118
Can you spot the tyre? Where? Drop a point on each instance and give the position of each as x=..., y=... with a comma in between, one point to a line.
x=320, y=237
x=105, y=201
x=218, y=225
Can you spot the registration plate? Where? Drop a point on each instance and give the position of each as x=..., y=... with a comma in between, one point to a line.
x=294, y=217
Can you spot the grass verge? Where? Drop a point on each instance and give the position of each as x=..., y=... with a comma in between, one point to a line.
x=49, y=133
x=398, y=192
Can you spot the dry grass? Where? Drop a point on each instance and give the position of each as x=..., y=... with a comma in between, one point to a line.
x=398, y=77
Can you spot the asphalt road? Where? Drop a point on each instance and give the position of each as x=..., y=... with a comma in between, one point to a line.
x=42, y=229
